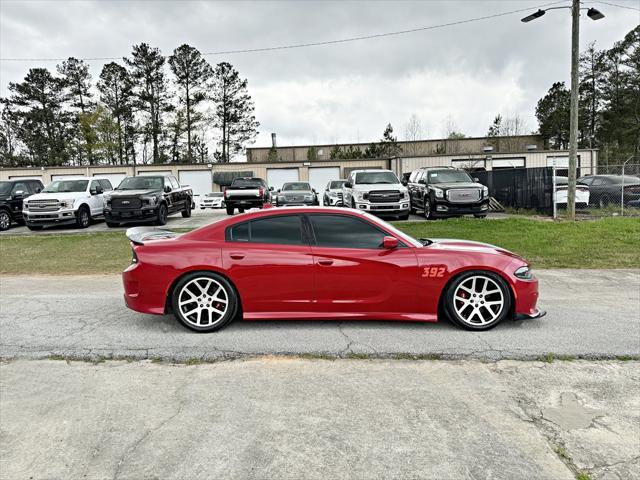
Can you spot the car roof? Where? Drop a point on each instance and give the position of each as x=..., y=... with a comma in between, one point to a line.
x=77, y=178
x=371, y=170
x=445, y=167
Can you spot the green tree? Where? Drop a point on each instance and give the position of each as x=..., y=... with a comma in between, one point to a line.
x=388, y=146
x=193, y=75
x=592, y=82
x=312, y=154
x=233, y=111
x=152, y=97
x=552, y=113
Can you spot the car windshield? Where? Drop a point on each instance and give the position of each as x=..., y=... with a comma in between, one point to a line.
x=5, y=188
x=449, y=176
x=67, y=186
x=336, y=184
x=215, y=194
x=141, y=183
x=246, y=182
x=296, y=186
x=373, y=178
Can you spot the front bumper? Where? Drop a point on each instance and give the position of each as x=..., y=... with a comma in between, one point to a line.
x=333, y=201
x=212, y=205
x=125, y=216
x=394, y=208
x=444, y=208
x=62, y=216
x=530, y=316
x=289, y=203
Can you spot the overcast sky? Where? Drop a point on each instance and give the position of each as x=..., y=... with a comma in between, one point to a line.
x=337, y=93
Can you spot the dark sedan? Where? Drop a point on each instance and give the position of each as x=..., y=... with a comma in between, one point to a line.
x=611, y=189
x=296, y=193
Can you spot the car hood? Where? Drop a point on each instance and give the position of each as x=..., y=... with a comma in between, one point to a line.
x=133, y=193
x=57, y=196
x=453, y=244
x=379, y=186
x=457, y=185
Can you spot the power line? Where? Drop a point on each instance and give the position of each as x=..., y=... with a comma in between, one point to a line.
x=619, y=6
x=312, y=44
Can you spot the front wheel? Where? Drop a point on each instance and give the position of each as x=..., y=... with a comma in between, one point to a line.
x=186, y=213
x=204, y=301
x=428, y=214
x=478, y=300
x=5, y=220
x=83, y=217
x=229, y=210
x=163, y=213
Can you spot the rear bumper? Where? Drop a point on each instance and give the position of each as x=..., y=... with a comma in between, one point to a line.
x=254, y=203
x=143, y=291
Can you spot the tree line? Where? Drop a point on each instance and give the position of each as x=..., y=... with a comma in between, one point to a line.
x=136, y=112
x=609, y=102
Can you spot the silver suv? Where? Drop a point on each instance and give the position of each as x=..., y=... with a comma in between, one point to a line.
x=376, y=191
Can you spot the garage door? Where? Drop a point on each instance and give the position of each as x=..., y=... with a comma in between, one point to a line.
x=320, y=176
x=35, y=177
x=154, y=172
x=277, y=176
x=200, y=182
x=114, y=178
x=65, y=176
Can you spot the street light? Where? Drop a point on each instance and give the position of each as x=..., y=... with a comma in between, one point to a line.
x=593, y=14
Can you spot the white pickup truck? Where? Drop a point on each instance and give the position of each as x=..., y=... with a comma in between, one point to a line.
x=245, y=193
x=74, y=201
x=376, y=191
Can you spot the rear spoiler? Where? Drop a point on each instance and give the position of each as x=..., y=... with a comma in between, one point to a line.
x=139, y=235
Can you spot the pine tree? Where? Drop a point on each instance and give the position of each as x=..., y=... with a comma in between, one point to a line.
x=151, y=93
x=592, y=80
x=552, y=113
x=233, y=111
x=116, y=93
x=193, y=75
x=388, y=146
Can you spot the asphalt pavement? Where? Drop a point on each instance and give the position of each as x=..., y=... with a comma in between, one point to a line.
x=591, y=314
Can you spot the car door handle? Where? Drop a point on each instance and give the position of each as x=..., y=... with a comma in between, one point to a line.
x=237, y=256
x=325, y=262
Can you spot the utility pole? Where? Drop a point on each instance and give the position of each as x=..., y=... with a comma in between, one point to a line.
x=573, y=123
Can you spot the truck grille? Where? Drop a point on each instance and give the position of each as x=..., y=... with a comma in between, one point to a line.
x=44, y=205
x=463, y=195
x=384, y=196
x=126, y=203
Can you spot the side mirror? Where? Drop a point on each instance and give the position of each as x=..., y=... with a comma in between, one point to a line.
x=278, y=191
x=347, y=185
x=404, y=182
x=314, y=190
x=390, y=243
x=167, y=189
x=18, y=194
x=476, y=179
x=271, y=189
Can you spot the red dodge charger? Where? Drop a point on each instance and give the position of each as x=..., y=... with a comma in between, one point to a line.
x=322, y=263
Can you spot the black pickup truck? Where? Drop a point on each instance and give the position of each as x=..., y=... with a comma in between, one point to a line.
x=12, y=192
x=245, y=193
x=147, y=199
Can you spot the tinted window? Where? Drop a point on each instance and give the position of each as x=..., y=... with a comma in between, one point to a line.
x=296, y=186
x=95, y=184
x=238, y=233
x=20, y=187
x=106, y=184
x=34, y=186
x=285, y=230
x=336, y=184
x=67, y=186
x=141, y=183
x=247, y=182
x=374, y=178
x=174, y=182
x=341, y=231
x=449, y=176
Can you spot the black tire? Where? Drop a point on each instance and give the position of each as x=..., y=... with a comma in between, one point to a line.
x=480, y=215
x=163, y=213
x=456, y=318
x=229, y=210
x=428, y=214
x=229, y=292
x=5, y=220
x=83, y=217
x=186, y=213
x=403, y=217
x=34, y=228
x=112, y=224
x=240, y=210
x=603, y=201
x=353, y=203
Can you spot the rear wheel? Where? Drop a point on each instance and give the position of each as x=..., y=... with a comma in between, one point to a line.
x=204, y=301
x=163, y=213
x=428, y=214
x=186, y=213
x=5, y=220
x=83, y=217
x=229, y=210
x=603, y=201
x=478, y=300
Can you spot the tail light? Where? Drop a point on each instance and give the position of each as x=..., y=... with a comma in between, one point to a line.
x=224, y=194
x=261, y=191
x=134, y=256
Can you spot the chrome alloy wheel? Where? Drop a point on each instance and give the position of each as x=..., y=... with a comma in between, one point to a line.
x=478, y=300
x=203, y=302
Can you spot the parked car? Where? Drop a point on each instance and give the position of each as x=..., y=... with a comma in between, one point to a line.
x=376, y=191
x=322, y=263
x=75, y=201
x=333, y=193
x=562, y=190
x=442, y=192
x=245, y=193
x=296, y=193
x=607, y=189
x=147, y=199
x=212, y=200
x=12, y=194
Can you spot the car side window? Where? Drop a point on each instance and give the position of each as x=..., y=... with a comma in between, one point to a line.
x=174, y=182
x=281, y=230
x=587, y=180
x=19, y=187
x=598, y=181
x=106, y=184
x=35, y=187
x=238, y=233
x=342, y=231
x=95, y=184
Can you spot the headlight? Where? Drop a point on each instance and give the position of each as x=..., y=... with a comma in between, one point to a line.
x=405, y=194
x=439, y=193
x=149, y=200
x=308, y=198
x=485, y=192
x=524, y=273
x=281, y=197
x=67, y=203
x=333, y=194
x=360, y=196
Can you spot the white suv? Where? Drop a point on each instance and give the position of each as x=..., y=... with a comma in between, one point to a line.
x=376, y=191
x=73, y=201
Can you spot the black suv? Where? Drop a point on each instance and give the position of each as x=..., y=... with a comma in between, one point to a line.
x=443, y=192
x=12, y=192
